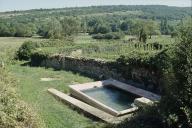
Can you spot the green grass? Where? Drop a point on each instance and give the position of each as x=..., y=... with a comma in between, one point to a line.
x=13, y=42
x=54, y=113
x=34, y=92
x=9, y=45
x=162, y=39
x=106, y=49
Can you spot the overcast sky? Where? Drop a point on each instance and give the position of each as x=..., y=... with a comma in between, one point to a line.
x=9, y=5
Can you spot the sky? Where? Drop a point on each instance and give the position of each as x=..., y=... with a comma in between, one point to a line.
x=10, y=5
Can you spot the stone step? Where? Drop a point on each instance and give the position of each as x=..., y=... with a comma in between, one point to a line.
x=87, y=108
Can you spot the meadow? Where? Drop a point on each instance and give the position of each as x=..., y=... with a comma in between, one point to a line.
x=154, y=39
x=33, y=91
x=84, y=46
x=9, y=46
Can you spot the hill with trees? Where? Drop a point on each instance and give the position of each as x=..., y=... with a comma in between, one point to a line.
x=54, y=23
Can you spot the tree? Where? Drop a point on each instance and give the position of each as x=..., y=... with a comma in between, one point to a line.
x=176, y=103
x=145, y=28
x=54, y=29
x=143, y=35
x=4, y=30
x=103, y=29
x=124, y=26
x=58, y=29
x=114, y=28
x=152, y=28
x=165, y=27
x=70, y=26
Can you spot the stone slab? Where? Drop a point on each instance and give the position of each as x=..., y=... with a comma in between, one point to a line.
x=143, y=102
x=87, y=108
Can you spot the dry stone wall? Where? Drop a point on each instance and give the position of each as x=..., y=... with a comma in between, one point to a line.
x=102, y=69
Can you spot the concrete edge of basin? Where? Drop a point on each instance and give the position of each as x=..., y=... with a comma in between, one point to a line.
x=76, y=91
x=108, y=118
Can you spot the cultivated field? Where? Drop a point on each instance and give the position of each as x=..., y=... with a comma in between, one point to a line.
x=85, y=46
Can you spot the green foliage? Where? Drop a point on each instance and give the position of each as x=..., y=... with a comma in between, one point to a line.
x=60, y=28
x=124, y=26
x=26, y=50
x=153, y=61
x=145, y=118
x=5, y=30
x=145, y=28
x=70, y=26
x=17, y=29
x=22, y=30
x=166, y=28
x=54, y=29
x=13, y=112
x=38, y=57
x=54, y=113
x=101, y=28
x=143, y=35
x=59, y=23
x=112, y=35
x=176, y=105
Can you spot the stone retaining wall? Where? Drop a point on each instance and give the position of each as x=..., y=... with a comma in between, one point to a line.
x=103, y=70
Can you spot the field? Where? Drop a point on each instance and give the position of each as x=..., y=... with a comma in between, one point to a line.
x=85, y=46
x=9, y=45
x=147, y=46
x=34, y=91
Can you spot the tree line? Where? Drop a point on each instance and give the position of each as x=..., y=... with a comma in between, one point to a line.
x=61, y=23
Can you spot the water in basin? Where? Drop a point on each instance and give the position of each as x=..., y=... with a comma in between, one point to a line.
x=113, y=97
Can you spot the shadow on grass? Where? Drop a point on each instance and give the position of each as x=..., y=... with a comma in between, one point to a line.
x=95, y=78
x=25, y=64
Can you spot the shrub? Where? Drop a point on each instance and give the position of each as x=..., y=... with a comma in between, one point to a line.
x=176, y=104
x=13, y=112
x=157, y=46
x=153, y=63
x=98, y=36
x=26, y=50
x=174, y=34
x=38, y=57
x=108, y=36
x=145, y=118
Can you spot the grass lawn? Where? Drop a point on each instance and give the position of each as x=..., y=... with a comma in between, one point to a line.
x=106, y=49
x=34, y=91
x=13, y=42
x=9, y=45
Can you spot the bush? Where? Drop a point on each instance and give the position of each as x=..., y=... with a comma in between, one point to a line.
x=176, y=104
x=157, y=46
x=98, y=36
x=13, y=112
x=153, y=63
x=26, y=50
x=108, y=36
x=38, y=57
x=146, y=118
